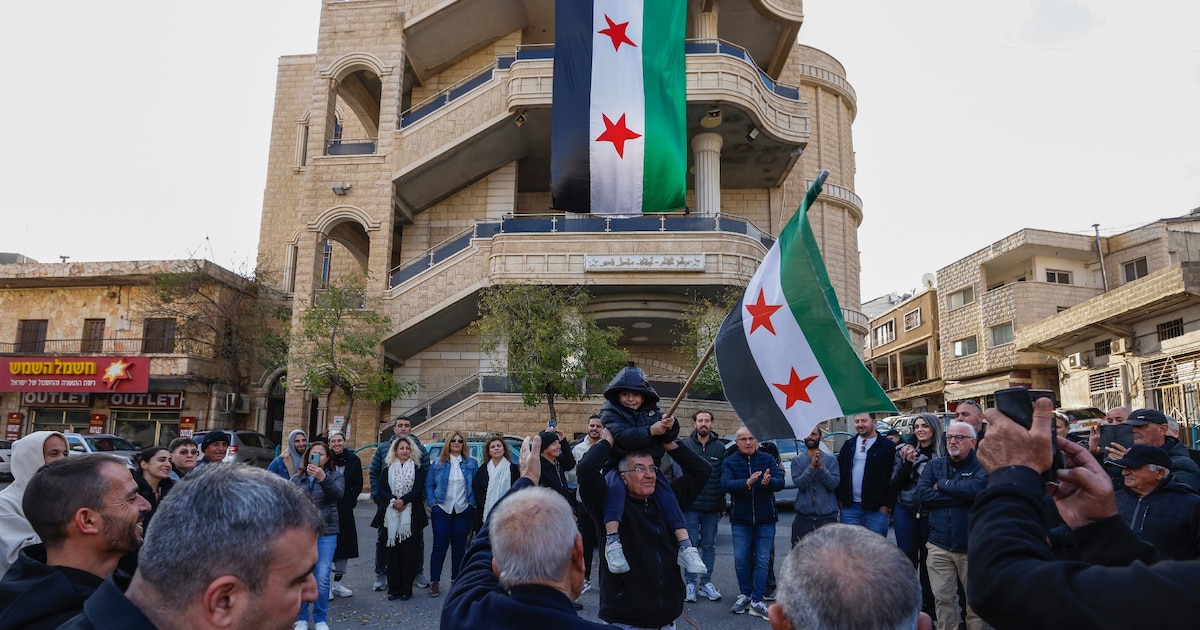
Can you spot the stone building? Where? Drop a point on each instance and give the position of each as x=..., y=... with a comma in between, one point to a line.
x=414, y=145
x=66, y=325
x=902, y=352
x=1136, y=344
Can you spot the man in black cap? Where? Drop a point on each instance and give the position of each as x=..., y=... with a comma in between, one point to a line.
x=1150, y=427
x=213, y=447
x=1159, y=509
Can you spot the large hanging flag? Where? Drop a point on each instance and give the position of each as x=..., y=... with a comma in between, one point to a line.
x=619, y=138
x=784, y=354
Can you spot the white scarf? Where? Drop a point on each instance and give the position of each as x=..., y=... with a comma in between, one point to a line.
x=399, y=522
x=499, y=481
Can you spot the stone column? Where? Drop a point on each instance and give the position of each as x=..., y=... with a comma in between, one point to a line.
x=705, y=24
x=707, y=147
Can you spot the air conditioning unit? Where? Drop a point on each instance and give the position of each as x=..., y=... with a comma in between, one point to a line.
x=236, y=403
x=1121, y=345
x=1076, y=361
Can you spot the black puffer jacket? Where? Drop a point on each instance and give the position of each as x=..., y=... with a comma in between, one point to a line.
x=630, y=428
x=712, y=499
x=1168, y=518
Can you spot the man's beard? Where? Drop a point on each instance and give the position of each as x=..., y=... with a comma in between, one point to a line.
x=811, y=444
x=703, y=432
x=121, y=538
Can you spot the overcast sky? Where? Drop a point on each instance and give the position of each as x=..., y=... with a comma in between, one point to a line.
x=139, y=129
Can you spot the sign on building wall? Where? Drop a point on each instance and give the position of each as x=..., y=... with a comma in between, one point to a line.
x=75, y=374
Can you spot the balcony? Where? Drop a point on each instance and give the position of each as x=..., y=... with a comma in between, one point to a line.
x=436, y=293
x=501, y=114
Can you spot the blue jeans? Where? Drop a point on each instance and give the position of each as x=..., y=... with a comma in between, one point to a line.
x=702, y=529
x=908, y=533
x=873, y=520
x=326, y=545
x=449, y=530
x=751, y=553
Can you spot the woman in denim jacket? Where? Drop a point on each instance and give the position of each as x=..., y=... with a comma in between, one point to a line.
x=451, y=499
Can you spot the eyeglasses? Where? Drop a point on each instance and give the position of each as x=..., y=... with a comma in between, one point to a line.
x=188, y=452
x=453, y=440
x=747, y=439
x=640, y=469
x=958, y=438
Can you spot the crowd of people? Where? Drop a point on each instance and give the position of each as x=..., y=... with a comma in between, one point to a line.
x=633, y=498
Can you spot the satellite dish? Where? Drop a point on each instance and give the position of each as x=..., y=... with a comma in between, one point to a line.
x=928, y=280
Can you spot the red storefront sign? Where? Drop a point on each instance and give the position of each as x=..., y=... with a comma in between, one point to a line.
x=96, y=423
x=12, y=430
x=187, y=426
x=74, y=374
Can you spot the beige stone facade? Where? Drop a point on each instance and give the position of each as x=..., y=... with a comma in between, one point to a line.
x=1136, y=344
x=902, y=353
x=433, y=119
x=99, y=311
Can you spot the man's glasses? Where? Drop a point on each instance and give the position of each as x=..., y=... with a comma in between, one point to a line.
x=640, y=469
x=958, y=438
x=458, y=440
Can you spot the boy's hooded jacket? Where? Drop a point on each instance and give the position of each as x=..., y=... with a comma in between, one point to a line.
x=630, y=428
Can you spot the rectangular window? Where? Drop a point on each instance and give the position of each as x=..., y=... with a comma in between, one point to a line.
x=1002, y=334
x=93, y=335
x=31, y=335
x=1103, y=348
x=959, y=299
x=1135, y=269
x=912, y=319
x=1058, y=277
x=885, y=333
x=158, y=336
x=1170, y=330
x=965, y=347
x=326, y=262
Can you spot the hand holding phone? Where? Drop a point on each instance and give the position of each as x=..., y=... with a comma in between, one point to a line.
x=553, y=423
x=1017, y=404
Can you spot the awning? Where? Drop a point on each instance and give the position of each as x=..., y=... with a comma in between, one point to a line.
x=979, y=387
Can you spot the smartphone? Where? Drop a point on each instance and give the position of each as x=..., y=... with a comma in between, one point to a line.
x=314, y=459
x=1017, y=403
x=1120, y=433
x=553, y=424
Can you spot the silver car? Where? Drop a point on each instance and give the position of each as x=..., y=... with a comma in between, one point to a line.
x=246, y=447
x=78, y=443
x=5, y=460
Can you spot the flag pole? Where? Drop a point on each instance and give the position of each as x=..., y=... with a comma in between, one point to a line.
x=691, y=379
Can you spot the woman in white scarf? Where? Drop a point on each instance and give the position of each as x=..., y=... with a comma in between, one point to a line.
x=494, y=478
x=402, y=514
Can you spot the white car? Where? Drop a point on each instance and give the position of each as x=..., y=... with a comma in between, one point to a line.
x=6, y=460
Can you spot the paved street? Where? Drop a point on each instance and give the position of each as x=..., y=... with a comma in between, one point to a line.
x=368, y=609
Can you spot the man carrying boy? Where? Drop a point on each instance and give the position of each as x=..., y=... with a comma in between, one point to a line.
x=631, y=415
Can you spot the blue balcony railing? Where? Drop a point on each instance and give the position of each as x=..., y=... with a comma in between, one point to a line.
x=546, y=51
x=588, y=224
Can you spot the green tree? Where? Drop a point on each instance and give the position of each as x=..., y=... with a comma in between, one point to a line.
x=234, y=318
x=698, y=328
x=552, y=345
x=336, y=346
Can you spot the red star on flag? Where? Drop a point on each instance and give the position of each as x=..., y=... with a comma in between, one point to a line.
x=795, y=389
x=116, y=372
x=617, y=134
x=617, y=33
x=762, y=312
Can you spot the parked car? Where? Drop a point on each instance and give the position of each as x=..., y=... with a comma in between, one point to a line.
x=6, y=460
x=1083, y=418
x=903, y=423
x=100, y=443
x=475, y=447
x=246, y=447
x=788, y=448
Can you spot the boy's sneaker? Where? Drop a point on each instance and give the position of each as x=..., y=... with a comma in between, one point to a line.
x=741, y=605
x=300, y=625
x=614, y=554
x=758, y=609
x=321, y=625
x=711, y=592
x=340, y=591
x=691, y=593
x=690, y=560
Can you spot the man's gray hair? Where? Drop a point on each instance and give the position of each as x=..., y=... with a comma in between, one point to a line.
x=533, y=533
x=965, y=426
x=221, y=520
x=848, y=577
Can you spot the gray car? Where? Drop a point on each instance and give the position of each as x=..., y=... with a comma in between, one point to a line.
x=246, y=447
x=100, y=443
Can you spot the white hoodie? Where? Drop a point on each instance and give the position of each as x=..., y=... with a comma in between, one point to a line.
x=15, y=531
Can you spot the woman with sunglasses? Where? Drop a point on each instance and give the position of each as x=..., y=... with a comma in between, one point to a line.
x=451, y=496
x=324, y=485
